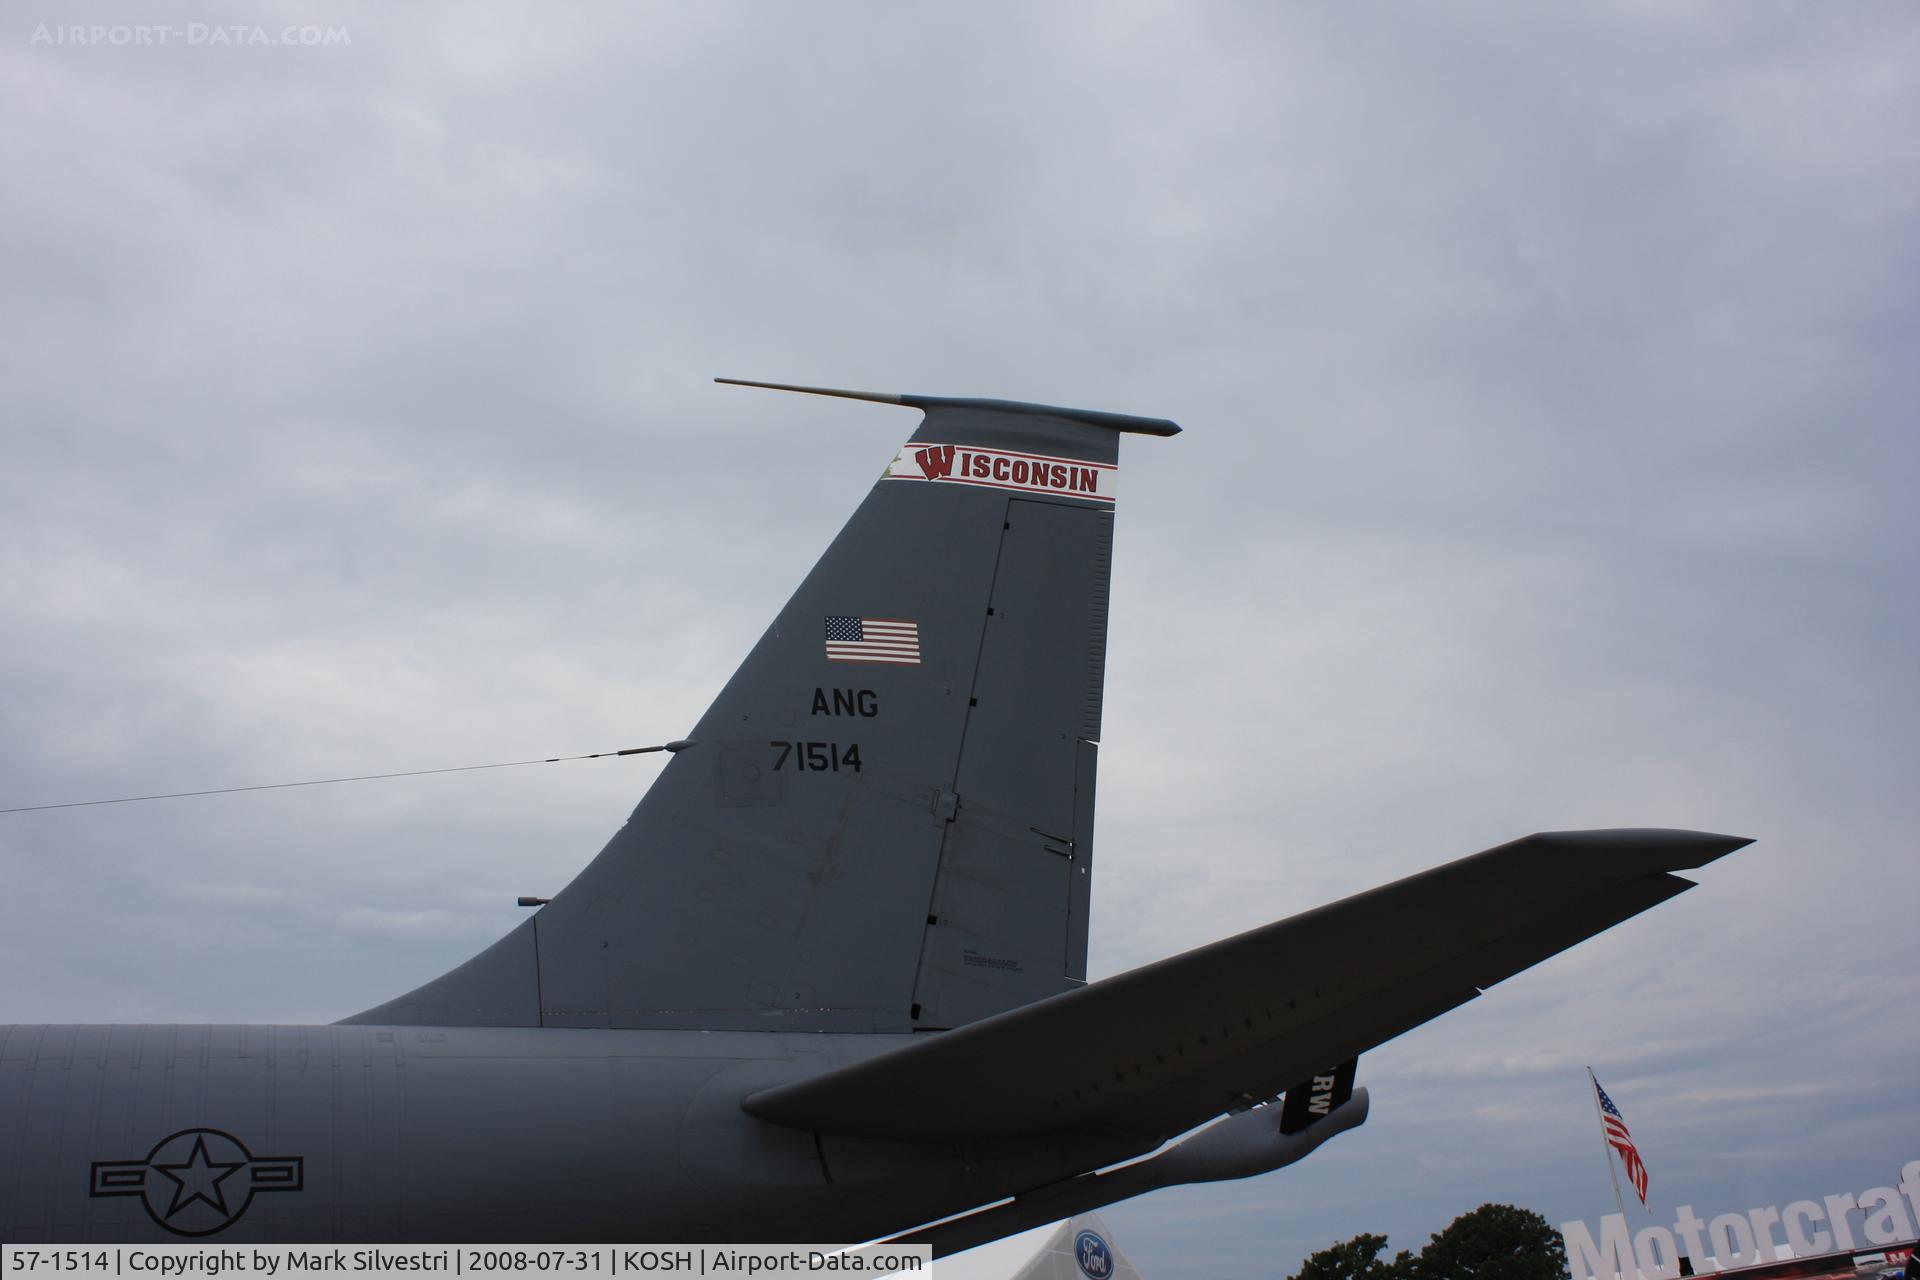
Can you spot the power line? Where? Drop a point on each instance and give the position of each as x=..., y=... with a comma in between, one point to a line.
x=679, y=744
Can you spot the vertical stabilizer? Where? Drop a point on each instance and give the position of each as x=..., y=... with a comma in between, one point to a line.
x=886, y=821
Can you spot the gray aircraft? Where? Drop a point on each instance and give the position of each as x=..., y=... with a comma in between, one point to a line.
x=828, y=983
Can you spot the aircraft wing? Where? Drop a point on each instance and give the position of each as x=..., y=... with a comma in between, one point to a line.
x=1160, y=1049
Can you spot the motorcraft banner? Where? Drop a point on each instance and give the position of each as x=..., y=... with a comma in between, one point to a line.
x=1807, y=1229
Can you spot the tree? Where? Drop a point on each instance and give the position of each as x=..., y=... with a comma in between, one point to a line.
x=1355, y=1259
x=1494, y=1242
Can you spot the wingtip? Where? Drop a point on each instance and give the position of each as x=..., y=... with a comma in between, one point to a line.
x=1673, y=848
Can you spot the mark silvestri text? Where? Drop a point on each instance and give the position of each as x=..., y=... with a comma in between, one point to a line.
x=181, y=1261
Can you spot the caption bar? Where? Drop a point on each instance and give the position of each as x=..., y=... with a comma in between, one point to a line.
x=281, y=1261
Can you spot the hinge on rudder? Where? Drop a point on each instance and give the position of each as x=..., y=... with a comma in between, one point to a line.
x=946, y=805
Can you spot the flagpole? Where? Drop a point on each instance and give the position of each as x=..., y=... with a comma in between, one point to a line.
x=1606, y=1151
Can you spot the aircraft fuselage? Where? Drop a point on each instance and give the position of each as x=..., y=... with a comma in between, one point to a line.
x=356, y=1133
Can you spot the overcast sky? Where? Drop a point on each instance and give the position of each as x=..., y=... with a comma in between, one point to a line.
x=1550, y=380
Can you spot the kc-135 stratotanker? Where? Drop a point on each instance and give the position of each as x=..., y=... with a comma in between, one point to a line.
x=829, y=980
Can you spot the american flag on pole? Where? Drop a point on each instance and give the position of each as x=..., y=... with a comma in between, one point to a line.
x=1620, y=1140
x=890, y=640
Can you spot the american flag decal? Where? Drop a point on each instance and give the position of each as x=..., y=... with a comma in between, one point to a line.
x=895, y=641
x=1620, y=1140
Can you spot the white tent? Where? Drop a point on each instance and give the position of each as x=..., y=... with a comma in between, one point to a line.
x=1081, y=1248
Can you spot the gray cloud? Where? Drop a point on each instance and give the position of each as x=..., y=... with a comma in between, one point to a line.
x=1549, y=393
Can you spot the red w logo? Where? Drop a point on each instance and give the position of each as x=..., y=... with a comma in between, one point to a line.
x=935, y=463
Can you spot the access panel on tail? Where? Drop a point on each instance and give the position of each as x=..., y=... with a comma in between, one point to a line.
x=886, y=821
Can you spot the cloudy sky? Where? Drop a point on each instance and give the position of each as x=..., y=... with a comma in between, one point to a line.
x=1549, y=380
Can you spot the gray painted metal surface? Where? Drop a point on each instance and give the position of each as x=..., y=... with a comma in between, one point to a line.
x=828, y=981
x=1237, y=1021
x=350, y=1133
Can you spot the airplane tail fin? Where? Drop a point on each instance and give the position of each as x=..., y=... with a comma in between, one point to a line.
x=886, y=820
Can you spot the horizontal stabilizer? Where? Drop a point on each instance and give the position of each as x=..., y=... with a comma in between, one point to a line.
x=1124, y=422
x=1155, y=1051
